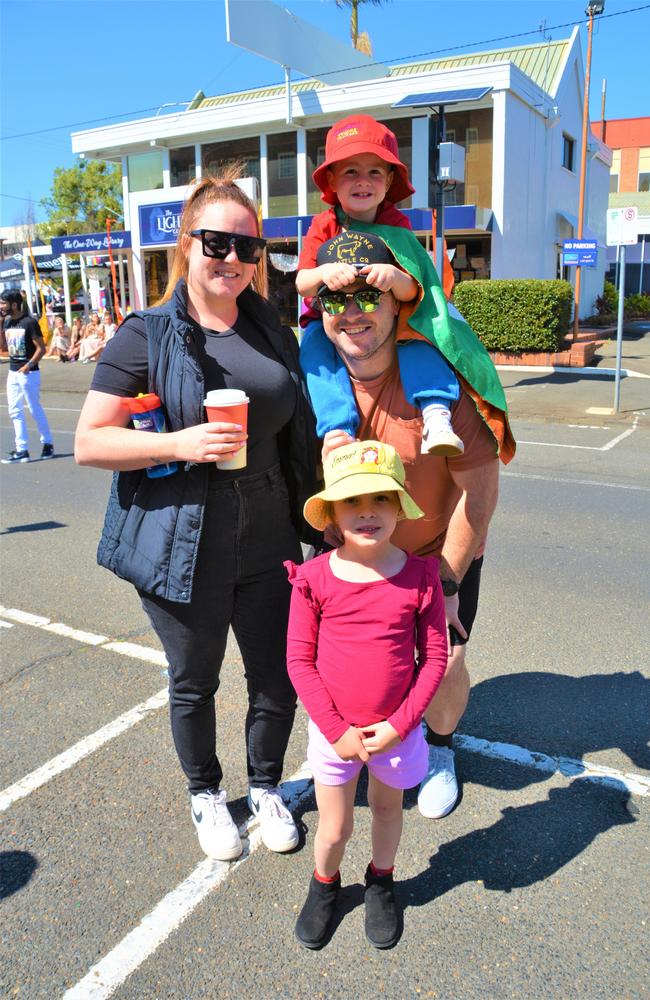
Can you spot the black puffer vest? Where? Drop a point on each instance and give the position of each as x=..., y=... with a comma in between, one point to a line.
x=153, y=527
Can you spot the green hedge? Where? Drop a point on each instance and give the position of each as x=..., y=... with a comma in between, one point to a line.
x=517, y=315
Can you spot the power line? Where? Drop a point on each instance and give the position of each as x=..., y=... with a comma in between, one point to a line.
x=397, y=59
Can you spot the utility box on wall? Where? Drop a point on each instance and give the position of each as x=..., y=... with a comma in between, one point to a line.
x=451, y=163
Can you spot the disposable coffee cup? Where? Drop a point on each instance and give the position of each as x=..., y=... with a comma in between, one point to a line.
x=229, y=406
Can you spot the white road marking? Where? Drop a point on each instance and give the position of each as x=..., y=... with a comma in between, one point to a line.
x=570, y=767
x=564, y=370
x=82, y=749
x=74, y=633
x=588, y=447
x=138, y=652
x=132, y=649
x=6, y=625
x=575, y=482
x=111, y=971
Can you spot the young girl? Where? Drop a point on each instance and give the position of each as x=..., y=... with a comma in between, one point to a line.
x=359, y=615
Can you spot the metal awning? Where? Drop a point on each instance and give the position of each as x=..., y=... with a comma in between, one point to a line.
x=587, y=232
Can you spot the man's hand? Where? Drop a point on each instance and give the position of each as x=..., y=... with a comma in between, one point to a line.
x=350, y=745
x=335, y=439
x=380, y=736
x=451, y=614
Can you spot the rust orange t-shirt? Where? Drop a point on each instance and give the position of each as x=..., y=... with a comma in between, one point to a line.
x=385, y=415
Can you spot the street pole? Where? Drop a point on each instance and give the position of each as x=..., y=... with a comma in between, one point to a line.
x=583, y=170
x=619, y=334
x=436, y=194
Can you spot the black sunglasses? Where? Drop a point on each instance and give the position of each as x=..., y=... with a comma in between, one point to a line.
x=335, y=303
x=216, y=244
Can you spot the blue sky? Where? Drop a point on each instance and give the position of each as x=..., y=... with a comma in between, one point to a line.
x=64, y=62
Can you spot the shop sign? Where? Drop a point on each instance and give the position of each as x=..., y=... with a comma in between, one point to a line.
x=160, y=223
x=91, y=242
x=580, y=253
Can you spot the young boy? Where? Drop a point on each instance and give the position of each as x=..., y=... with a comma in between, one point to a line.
x=362, y=177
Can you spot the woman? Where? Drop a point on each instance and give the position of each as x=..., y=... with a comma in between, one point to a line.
x=92, y=343
x=60, y=342
x=204, y=546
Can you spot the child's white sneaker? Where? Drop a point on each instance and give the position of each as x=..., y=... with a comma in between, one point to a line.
x=438, y=437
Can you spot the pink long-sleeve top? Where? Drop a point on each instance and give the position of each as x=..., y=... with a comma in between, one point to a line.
x=351, y=647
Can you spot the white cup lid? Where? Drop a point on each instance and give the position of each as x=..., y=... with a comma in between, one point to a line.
x=225, y=397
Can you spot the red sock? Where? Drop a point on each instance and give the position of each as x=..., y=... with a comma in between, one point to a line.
x=324, y=879
x=379, y=872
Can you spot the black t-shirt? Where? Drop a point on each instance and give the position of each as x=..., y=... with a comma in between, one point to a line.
x=20, y=335
x=239, y=358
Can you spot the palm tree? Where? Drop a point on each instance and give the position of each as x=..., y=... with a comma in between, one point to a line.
x=359, y=41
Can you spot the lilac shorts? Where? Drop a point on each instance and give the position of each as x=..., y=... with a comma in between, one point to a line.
x=403, y=766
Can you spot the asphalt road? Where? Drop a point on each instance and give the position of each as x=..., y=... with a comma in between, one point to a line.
x=533, y=887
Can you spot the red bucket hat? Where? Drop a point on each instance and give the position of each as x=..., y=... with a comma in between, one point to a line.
x=362, y=134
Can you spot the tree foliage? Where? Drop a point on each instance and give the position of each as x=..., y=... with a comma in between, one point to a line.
x=80, y=197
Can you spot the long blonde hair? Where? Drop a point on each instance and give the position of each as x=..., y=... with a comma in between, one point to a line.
x=212, y=188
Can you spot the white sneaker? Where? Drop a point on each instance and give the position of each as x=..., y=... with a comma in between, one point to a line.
x=438, y=792
x=218, y=835
x=279, y=832
x=438, y=437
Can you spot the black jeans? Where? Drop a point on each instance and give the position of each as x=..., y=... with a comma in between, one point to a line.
x=239, y=581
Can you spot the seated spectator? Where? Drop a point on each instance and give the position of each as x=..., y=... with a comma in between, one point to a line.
x=109, y=326
x=93, y=341
x=60, y=342
x=76, y=336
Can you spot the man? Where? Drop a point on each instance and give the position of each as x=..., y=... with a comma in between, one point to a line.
x=458, y=494
x=26, y=347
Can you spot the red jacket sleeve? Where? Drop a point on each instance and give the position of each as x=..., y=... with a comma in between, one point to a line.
x=431, y=639
x=323, y=227
x=302, y=642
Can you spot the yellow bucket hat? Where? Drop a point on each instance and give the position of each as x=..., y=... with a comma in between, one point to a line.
x=355, y=469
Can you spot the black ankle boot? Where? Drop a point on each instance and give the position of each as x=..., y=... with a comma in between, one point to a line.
x=316, y=915
x=382, y=917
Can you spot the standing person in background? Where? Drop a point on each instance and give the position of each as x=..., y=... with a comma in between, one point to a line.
x=205, y=546
x=26, y=348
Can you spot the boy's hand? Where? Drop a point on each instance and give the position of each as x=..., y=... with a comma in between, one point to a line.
x=388, y=278
x=350, y=745
x=338, y=276
x=335, y=439
x=380, y=736
x=381, y=276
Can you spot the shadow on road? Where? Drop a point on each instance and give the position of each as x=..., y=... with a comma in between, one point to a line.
x=35, y=526
x=558, y=714
x=527, y=845
x=16, y=870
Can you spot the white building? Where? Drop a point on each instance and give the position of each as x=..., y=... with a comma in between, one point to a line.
x=508, y=219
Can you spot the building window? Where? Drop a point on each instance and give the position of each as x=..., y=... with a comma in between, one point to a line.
x=615, y=171
x=315, y=156
x=471, y=143
x=613, y=183
x=568, y=150
x=145, y=171
x=182, y=166
x=217, y=155
x=286, y=166
x=282, y=174
x=644, y=169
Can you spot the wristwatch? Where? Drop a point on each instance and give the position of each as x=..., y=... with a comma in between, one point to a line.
x=449, y=587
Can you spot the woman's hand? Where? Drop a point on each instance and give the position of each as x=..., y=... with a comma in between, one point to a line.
x=350, y=745
x=211, y=442
x=335, y=439
x=380, y=736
